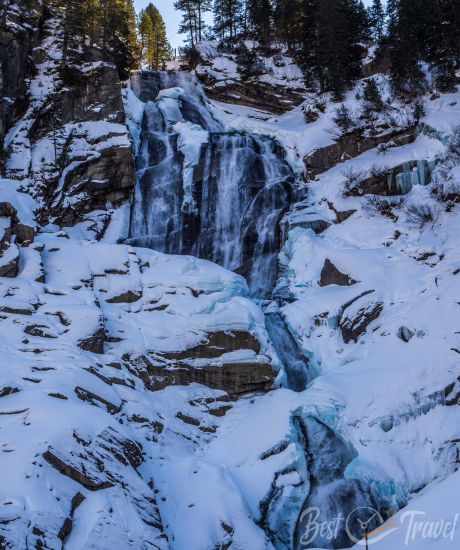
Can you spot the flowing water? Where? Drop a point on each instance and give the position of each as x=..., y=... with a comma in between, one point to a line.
x=205, y=191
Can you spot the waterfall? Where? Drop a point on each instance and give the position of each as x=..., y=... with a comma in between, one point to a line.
x=299, y=368
x=205, y=191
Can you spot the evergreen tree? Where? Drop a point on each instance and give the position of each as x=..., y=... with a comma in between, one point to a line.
x=289, y=24
x=152, y=30
x=108, y=25
x=409, y=33
x=377, y=20
x=444, y=43
x=340, y=30
x=193, y=18
x=228, y=19
x=259, y=19
x=372, y=95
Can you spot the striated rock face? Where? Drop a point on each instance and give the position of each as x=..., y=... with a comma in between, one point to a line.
x=253, y=93
x=349, y=146
x=268, y=81
x=67, y=144
x=357, y=315
x=19, y=30
x=396, y=181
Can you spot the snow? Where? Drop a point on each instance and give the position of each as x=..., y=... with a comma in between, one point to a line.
x=430, y=521
x=207, y=478
x=191, y=139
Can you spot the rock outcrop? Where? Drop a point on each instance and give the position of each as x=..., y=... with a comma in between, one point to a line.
x=19, y=34
x=267, y=80
x=65, y=137
x=351, y=145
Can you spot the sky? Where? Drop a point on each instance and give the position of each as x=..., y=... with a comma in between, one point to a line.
x=172, y=18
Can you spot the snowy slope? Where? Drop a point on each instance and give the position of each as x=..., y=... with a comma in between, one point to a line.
x=145, y=398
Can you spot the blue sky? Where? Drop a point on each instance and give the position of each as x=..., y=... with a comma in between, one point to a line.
x=172, y=18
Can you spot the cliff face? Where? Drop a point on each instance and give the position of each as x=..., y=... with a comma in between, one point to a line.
x=19, y=31
x=62, y=117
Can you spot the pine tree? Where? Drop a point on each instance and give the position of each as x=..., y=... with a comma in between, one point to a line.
x=157, y=49
x=289, y=21
x=409, y=32
x=340, y=29
x=193, y=18
x=228, y=19
x=259, y=19
x=444, y=43
x=372, y=95
x=377, y=20
x=189, y=23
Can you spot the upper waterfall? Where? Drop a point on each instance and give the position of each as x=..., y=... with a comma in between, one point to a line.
x=204, y=190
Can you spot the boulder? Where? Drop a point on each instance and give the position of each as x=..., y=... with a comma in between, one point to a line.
x=357, y=315
x=330, y=275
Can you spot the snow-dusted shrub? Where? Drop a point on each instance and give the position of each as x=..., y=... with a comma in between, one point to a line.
x=446, y=176
x=383, y=205
x=310, y=114
x=372, y=95
x=453, y=150
x=421, y=207
x=446, y=182
x=344, y=119
x=321, y=104
x=382, y=148
x=352, y=180
x=379, y=171
x=249, y=63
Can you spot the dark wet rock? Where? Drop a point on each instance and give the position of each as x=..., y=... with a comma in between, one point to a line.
x=71, y=471
x=67, y=526
x=108, y=178
x=330, y=275
x=94, y=343
x=216, y=344
x=19, y=33
x=24, y=234
x=97, y=400
x=8, y=390
x=351, y=145
x=160, y=370
x=395, y=181
x=405, y=334
x=253, y=93
x=42, y=331
x=10, y=269
x=355, y=318
x=188, y=419
x=128, y=297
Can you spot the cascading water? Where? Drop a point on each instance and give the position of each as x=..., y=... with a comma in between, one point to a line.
x=203, y=191
x=300, y=370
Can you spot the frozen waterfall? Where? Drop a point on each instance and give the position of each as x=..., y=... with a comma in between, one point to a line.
x=205, y=191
